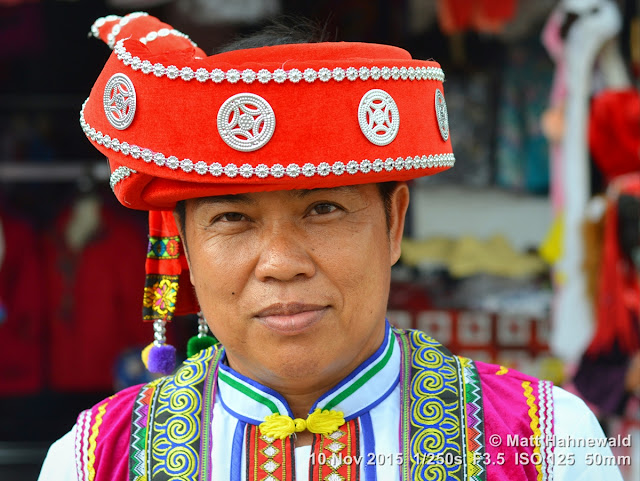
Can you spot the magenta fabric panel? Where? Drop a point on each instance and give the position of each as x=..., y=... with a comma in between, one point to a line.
x=506, y=414
x=102, y=439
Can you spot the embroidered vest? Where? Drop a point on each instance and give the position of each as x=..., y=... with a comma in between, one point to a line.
x=449, y=408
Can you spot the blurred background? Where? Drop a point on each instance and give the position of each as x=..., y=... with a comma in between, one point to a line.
x=526, y=254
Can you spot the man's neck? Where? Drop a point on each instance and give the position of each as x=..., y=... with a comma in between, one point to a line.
x=302, y=392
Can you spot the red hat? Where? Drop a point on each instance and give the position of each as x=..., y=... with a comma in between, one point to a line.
x=614, y=132
x=178, y=124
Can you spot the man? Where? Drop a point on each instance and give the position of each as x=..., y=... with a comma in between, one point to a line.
x=282, y=168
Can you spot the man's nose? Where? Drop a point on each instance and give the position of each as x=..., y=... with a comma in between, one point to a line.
x=284, y=254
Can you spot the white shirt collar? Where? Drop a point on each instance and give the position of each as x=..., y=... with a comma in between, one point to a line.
x=367, y=386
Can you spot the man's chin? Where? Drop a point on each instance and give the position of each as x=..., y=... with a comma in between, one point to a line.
x=299, y=364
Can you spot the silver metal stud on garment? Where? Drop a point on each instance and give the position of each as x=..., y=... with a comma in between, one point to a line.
x=442, y=115
x=119, y=101
x=246, y=122
x=378, y=117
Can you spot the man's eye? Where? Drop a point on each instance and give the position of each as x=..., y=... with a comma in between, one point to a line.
x=230, y=217
x=320, y=209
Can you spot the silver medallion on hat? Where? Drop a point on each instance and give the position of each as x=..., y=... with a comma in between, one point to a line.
x=378, y=117
x=246, y=122
x=442, y=115
x=119, y=101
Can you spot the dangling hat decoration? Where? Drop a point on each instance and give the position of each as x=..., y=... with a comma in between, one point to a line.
x=167, y=270
x=177, y=124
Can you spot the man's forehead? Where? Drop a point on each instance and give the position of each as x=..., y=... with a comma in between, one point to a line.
x=254, y=197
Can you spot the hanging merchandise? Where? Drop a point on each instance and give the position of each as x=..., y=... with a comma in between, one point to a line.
x=552, y=120
x=618, y=301
x=468, y=256
x=589, y=26
x=487, y=16
x=224, y=11
x=593, y=233
x=21, y=325
x=522, y=150
x=614, y=132
x=93, y=270
x=617, y=335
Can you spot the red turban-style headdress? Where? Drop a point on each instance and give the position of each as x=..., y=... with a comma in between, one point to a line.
x=177, y=124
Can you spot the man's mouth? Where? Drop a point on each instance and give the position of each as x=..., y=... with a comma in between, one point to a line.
x=291, y=318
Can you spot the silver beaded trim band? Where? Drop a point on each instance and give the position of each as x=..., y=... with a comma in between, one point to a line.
x=119, y=175
x=150, y=37
x=265, y=76
x=249, y=76
x=262, y=170
x=115, y=30
x=164, y=32
x=99, y=23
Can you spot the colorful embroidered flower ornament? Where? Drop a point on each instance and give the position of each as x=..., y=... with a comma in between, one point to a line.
x=177, y=124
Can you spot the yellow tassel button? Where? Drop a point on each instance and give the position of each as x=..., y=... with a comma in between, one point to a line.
x=318, y=422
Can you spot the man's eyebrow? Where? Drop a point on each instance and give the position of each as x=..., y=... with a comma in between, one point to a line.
x=248, y=199
x=343, y=188
x=220, y=199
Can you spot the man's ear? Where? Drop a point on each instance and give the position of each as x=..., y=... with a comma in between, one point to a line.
x=183, y=238
x=397, y=214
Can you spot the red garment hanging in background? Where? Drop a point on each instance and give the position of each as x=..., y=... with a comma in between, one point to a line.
x=94, y=302
x=481, y=15
x=21, y=322
x=614, y=132
x=618, y=298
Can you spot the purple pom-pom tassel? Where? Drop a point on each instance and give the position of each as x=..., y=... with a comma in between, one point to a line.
x=162, y=359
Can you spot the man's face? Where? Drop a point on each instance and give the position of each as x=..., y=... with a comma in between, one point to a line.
x=295, y=283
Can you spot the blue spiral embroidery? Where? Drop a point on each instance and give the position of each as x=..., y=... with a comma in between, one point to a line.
x=176, y=440
x=436, y=439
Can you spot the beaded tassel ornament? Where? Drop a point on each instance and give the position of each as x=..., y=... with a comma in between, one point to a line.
x=202, y=340
x=159, y=357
